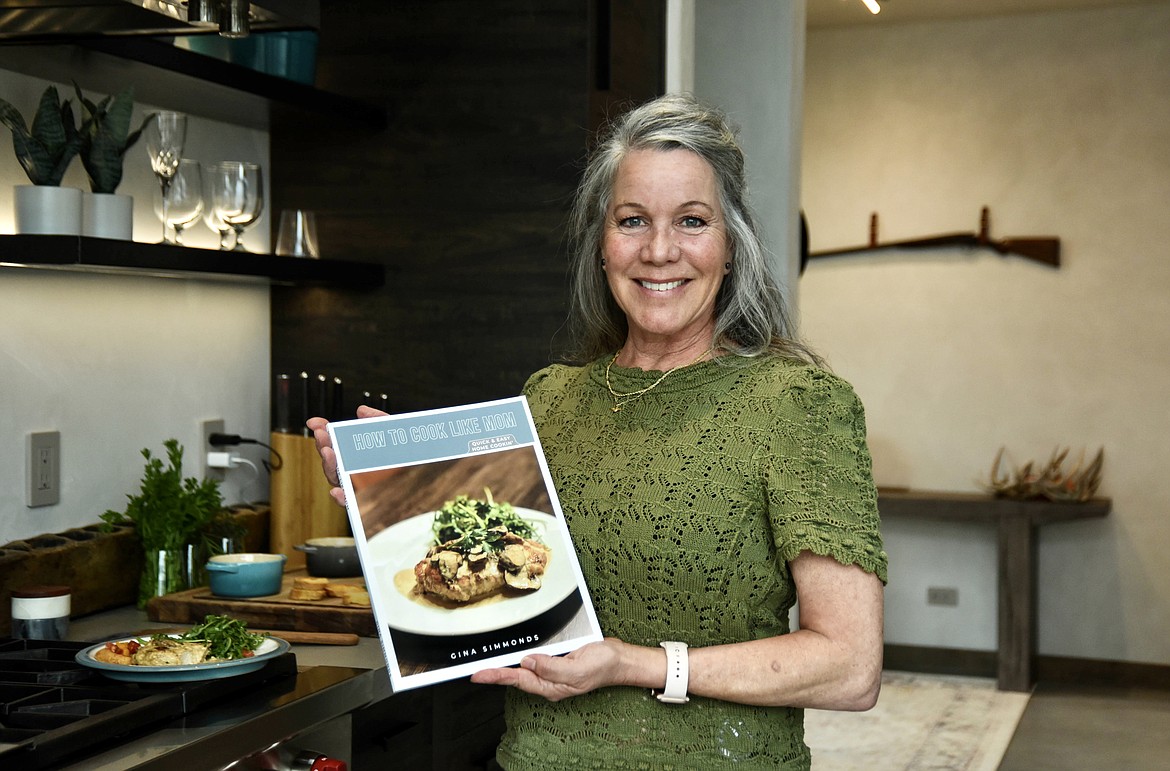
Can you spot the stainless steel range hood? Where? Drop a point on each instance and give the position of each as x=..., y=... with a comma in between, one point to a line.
x=56, y=19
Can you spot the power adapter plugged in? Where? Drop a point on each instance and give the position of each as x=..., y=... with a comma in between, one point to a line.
x=229, y=460
x=222, y=459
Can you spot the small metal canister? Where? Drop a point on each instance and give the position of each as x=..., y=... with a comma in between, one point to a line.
x=41, y=612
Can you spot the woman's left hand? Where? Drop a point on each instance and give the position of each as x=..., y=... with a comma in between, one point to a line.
x=588, y=668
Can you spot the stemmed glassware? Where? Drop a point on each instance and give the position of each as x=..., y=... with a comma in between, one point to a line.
x=183, y=202
x=211, y=214
x=213, y=221
x=235, y=199
x=165, y=137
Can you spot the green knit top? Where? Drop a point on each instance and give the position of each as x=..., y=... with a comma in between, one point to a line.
x=685, y=508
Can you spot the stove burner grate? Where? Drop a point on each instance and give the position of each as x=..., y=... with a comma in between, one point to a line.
x=52, y=707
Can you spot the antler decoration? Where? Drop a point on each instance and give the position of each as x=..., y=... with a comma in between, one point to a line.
x=1050, y=481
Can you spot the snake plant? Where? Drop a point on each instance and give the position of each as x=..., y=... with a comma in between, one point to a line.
x=46, y=151
x=106, y=136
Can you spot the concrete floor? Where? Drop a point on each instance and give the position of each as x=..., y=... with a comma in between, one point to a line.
x=1067, y=728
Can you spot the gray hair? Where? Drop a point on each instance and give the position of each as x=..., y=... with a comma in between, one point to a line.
x=750, y=317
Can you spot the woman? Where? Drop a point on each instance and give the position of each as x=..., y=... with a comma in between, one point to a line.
x=711, y=473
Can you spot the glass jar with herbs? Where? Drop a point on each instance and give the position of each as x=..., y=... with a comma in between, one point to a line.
x=169, y=513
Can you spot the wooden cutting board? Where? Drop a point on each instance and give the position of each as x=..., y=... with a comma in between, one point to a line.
x=277, y=611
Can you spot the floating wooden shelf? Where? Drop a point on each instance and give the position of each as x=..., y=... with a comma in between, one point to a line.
x=1043, y=249
x=100, y=255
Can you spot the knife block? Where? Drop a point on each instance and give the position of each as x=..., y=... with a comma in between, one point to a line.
x=301, y=507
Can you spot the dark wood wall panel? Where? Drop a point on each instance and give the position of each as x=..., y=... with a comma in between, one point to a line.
x=628, y=66
x=463, y=197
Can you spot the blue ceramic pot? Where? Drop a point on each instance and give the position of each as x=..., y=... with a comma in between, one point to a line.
x=245, y=575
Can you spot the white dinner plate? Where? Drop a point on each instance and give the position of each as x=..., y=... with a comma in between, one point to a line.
x=401, y=546
x=269, y=649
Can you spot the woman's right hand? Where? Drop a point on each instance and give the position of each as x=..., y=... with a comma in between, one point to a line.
x=325, y=449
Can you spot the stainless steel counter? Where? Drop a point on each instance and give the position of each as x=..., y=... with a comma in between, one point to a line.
x=332, y=682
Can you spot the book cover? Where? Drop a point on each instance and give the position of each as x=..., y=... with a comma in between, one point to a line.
x=486, y=598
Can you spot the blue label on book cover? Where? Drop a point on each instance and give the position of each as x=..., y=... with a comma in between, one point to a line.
x=425, y=436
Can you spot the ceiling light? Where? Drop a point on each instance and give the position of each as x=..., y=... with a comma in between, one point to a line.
x=872, y=5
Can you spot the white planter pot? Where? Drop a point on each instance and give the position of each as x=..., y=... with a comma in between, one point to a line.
x=44, y=209
x=107, y=215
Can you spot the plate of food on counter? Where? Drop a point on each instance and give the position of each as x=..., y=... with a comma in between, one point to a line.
x=219, y=647
x=474, y=566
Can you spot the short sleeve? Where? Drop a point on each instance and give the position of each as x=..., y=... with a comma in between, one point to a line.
x=819, y=476
x=536, y=380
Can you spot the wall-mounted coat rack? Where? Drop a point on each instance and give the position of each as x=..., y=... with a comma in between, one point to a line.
x=1043, y=249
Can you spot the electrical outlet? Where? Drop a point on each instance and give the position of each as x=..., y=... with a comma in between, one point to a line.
x=942, y=595
x=207, y=428
x=43, y=469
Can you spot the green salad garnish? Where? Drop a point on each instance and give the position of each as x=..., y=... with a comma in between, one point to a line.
x=229, y=638
x=466, y=524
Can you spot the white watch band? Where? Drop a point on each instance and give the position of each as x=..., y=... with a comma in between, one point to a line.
x=677, y=674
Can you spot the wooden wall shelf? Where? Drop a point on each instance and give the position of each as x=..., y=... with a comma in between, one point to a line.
x=1042, y=249
x=1016, y=525
x=100, y=255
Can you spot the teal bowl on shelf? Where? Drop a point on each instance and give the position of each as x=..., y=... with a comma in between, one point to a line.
x=245, y=575
x=291, y=54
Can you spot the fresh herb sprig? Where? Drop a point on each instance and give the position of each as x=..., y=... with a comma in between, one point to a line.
x=467, y=523
x=169, y=511
x=228, y=638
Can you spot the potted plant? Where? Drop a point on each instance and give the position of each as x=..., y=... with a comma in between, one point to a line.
x=45, y=152
x=106, y=136
x=168, y=513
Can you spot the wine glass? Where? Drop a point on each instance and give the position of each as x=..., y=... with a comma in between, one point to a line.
x=236, y=198
x=211, y=213
x=165, y=137
x=221, y=228
x=183, y=202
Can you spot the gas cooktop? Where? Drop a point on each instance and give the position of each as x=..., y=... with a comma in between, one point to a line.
x=52, y=708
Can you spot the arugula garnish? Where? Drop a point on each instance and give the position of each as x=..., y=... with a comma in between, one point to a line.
x=228, y=638
x=467, y=524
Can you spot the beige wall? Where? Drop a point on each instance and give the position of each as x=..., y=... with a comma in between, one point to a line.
x=1060, y=123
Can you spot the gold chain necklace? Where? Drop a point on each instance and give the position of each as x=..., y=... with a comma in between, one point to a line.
x=620, y=400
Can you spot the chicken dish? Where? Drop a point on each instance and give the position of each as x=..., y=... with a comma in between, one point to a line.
x=480, y=547
x=157, y=652
x=218, y=638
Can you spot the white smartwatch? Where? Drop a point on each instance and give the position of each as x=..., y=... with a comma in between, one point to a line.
x=677, y=674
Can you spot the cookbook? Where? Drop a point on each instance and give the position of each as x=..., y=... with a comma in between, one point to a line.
x=465, y=551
